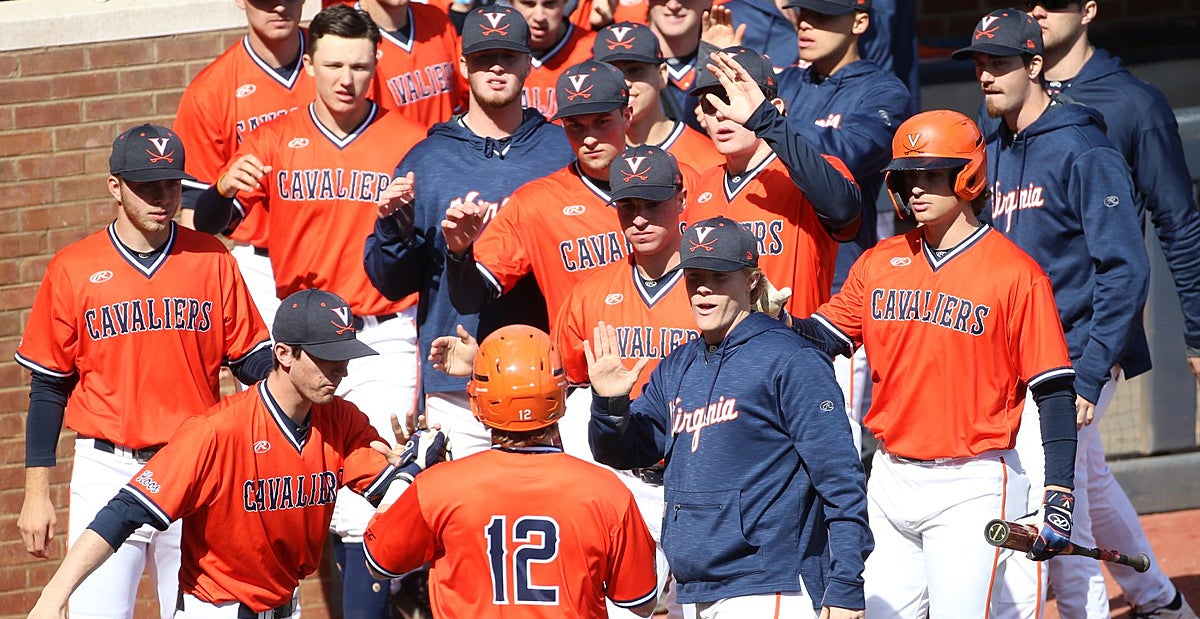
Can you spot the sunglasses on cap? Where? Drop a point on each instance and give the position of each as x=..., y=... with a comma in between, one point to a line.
x=707, y=107
x=1049, y=5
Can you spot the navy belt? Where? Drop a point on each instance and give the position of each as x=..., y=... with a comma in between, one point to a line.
x=652, y=475
x=141, y=455
x=245, y=612
x=381, y=318
x=261, y=251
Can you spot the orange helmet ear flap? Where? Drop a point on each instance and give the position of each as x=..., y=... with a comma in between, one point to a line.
x=518, y=383
x=972, y=179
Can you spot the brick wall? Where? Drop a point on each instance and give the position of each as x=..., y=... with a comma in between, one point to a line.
x=60, y=109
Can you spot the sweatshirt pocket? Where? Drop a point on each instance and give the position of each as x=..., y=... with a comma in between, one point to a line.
x=703, y=537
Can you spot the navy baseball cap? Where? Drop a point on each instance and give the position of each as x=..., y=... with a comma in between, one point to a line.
x=627, y=41
x=646, y=172
x=718, y=244
x=590, y=87
x=757, y=65
x=1007, y=32
x=495, y=27
x=148, y=153
x=831, y=7
x=322, y=323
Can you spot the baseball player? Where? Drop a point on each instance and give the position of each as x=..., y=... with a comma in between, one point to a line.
x=560, y=227
x=264, y=464
x=557, y=44
x=256, y=80
x=1142, y=127
x=678, y=24
x=142, y=289
x=481, y=157
x=782, y=532
x=798, y=202
x=634, y=50
x=416, y=72
x=319, y=174
x=1065, y=196
x=553, y=536
x=946, y=461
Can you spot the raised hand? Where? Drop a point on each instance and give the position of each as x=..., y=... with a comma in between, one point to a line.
x=744, y=93
x=716, y=27
x=398, y=200
x=245, y=174
x=462, y=226
x=454, y=354
x=606, y=369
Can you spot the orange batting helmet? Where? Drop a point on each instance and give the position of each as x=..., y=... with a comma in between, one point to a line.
x=519, y=383
x=938, y=140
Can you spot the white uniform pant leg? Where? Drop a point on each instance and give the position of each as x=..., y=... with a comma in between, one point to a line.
x=452, y=411
x=1025, y=581
x=381, y=386
x=573, y=427
x=649, y=500
x=852, y=375
x=764, y=606
x=110, y=592
x=1078, y=582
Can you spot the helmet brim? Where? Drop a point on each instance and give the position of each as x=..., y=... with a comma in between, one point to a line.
x=925, y=163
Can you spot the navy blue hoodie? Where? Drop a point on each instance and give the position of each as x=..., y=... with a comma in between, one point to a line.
x=1064, y=195
x=452, y=165
x=756, y=495
x=1142, y=127
x=851, y=115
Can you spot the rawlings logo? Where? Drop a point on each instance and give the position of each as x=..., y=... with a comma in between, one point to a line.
x=99, y=277
x=577, y=81
x=826, y=405
x=619, y=32
x=160, y=144
x=1111, y=201
x=704, y=197
x=343, y=314
x=494, y=19
x=245, y=90
x=1059, y=521
x=574, y=209
x=634, y=164
x=298, y=143
x=262, y=447
x=146, y=480
x=901, y=261
x=614, y=298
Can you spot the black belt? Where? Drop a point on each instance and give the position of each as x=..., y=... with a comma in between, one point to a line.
x=652, y=475
x=245, y=612
x=142, y=454
x=261, y=251
x=381, y=318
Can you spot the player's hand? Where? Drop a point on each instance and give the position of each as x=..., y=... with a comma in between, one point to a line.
x=454, y=354
x=37, y=520
x=743, y=92
x=1055, y=533
x=462, y=226
x=772, y=301
x=1194, y=366
x=833, y=612
x=716, y=27
x=1084, y=412
x=602, y=13
x=398, y=200
x=606, y=369
x=245, y=174
x=424, y=449
x=45, y=610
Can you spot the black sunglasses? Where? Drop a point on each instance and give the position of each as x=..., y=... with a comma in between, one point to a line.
x=709, y=108
x=1049, y=5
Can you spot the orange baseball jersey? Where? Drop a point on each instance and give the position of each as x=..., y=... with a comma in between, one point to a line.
x=100, y=313
x=320, y=196
x=417, y=73
x=256, y=499
x=522, y=534
x=559, y=227
x=650, y=322
x=980, y=321
x=231, y=97
x=538, y=91
x=794, y=249
x=627, y=10
x=693, y=148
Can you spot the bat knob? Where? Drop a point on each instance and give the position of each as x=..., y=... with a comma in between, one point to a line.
x=1139, y=562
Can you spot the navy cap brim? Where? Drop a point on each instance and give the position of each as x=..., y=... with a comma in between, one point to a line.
x=624, y=56
x=483, y=46
x=154, y=174
x=653, y=193
x=990, y=49
x=925, y=163
x=340, y=350
x=588, y=107
x=709, y=263
x=821, y=6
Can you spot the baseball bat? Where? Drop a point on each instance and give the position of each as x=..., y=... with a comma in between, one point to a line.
x=1020, y=537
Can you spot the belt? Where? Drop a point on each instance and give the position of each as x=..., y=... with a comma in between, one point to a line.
x=245, y=612
x=261, y=251
x=933, y=461
x=380, y=319
x=141, y=455
x=652, y=475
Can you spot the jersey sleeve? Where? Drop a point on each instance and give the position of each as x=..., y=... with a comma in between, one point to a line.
x=367, y=472
x=1037, y=334
x=569, y=335
x=842, y=315
x=50, y=343
x=631, y=580
x=399, y=539
x=206, y=133
x=181, y=477
x=500, y=249
x=245, y=331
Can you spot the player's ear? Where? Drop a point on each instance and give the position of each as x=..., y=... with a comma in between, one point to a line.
x=780, y=105
x=663, y=76
x=1089, y=10
x=682, y=194
x=308, y=64
x=462, y=67
x=283, y=355
x=1034, y=68
x=114, y=187
x=862, y=21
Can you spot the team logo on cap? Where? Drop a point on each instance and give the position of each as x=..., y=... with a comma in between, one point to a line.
x=619, y=32
x=634, y=164
x=702, y=233
x=343, y=314
x=494, y=19
x=578, y=81
x=160, y=144
x=985, y=28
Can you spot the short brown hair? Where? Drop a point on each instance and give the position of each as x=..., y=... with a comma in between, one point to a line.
x=342, y=21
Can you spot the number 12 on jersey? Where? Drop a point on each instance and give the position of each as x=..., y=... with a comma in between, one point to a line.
x=532, y=539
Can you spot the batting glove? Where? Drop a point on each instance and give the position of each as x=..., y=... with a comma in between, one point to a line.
x=772, y=301
x=1055, y=534
x=424, y=449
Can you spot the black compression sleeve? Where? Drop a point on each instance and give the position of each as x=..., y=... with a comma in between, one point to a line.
x=121, y=517
x=214, y=212
x=254, y=366
x=47, y=401
x=820, y=336
x=1056, y=409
